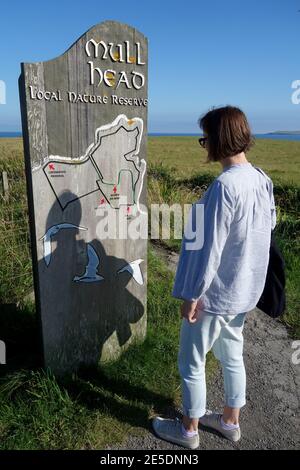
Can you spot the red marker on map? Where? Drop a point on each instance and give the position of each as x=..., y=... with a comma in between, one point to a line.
x=102, y=201
x=51, y=166
x=128, y=209
x=115, y=189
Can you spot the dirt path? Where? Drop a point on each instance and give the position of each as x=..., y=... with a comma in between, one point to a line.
x=271, y=419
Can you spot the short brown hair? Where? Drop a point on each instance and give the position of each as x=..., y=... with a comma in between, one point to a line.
x=228, y=132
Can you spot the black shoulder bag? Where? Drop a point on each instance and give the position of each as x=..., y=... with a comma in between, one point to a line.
x=273, y=300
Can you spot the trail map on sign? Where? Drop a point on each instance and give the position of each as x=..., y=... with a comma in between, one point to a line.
x=111, y=166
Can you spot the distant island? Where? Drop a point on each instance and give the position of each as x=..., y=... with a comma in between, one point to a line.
x=284, y=133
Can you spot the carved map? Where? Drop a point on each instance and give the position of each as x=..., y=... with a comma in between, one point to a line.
x=118, y=142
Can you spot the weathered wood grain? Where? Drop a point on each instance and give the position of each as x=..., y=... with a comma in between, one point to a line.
x=83, y=323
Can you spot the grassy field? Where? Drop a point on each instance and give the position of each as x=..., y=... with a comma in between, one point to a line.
x=279, y=158
x=97, y=407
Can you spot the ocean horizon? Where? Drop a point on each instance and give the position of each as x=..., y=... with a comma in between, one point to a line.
x=273, y=136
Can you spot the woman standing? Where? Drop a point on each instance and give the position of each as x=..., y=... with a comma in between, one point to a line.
x=223, y=280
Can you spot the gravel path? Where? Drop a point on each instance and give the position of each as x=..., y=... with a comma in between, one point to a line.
x=270, y=419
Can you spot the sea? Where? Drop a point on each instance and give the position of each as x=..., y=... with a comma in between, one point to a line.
x=294, y=137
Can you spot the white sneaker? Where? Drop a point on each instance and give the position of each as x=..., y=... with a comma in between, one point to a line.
x=170, y=430
x=213, y=420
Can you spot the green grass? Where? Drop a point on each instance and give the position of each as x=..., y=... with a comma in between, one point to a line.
x=15, y=260
x=279, y=158
x=288, y=238
x=177, y=174
x=94, y=407
x=98, y=407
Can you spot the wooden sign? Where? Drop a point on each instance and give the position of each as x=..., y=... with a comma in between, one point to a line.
x=84, y=119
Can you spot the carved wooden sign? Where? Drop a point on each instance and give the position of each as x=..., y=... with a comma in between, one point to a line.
x=84, y=119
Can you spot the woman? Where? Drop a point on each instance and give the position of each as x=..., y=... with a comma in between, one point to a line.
x=223, y=279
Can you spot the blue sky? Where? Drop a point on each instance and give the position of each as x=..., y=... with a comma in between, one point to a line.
x=201, y=54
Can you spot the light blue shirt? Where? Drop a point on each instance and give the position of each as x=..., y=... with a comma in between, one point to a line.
x=228, y=272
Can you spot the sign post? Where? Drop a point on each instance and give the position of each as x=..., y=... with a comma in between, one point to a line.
x=84, y=119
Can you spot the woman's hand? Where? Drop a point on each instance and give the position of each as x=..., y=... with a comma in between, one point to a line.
x=189, y=310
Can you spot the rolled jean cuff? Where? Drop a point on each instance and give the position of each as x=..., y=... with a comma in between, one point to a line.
x=235, y=402
x=193, y=412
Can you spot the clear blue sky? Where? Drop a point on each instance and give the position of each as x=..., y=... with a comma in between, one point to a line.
x=201, y=54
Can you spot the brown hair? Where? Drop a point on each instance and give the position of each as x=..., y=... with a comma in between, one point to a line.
x=228, y=132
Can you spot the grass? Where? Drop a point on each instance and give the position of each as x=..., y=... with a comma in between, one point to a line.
x=15, y=260
x=95, y=408
x=288, y=238
x=279, y=158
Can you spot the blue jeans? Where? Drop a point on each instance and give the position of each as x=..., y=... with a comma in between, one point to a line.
x=223, y=334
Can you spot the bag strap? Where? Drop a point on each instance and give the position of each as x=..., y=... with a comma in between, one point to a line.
x=261, y=171
x=268, y=188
